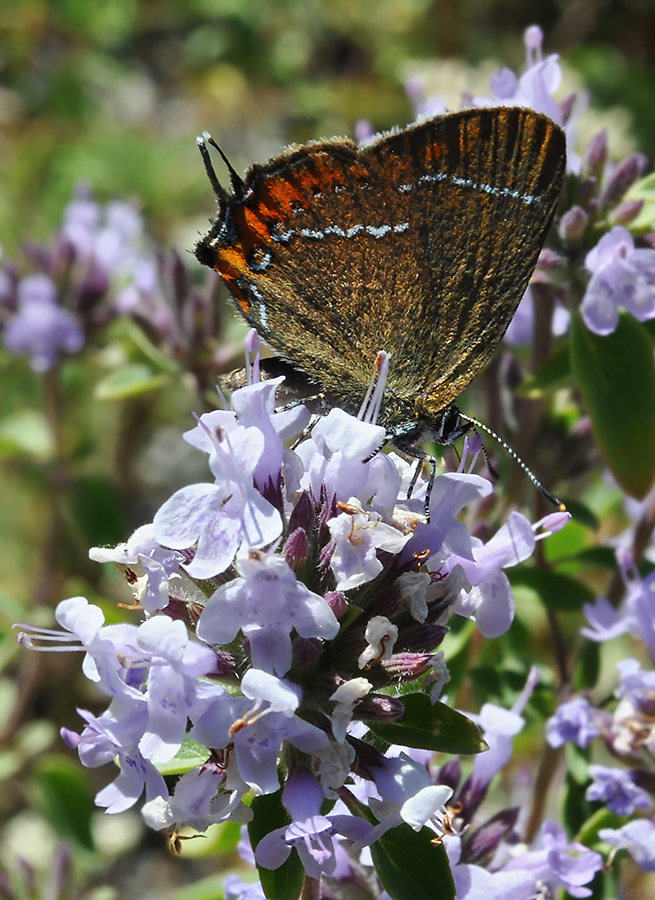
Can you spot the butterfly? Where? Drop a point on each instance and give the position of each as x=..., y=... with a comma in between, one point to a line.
x=420, y=243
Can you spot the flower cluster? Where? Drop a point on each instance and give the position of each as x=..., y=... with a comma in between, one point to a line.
x=100, y=266
x=289, y=606
x=627, y=733
x=50, y=309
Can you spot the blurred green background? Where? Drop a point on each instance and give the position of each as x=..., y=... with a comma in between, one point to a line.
x=113, y=93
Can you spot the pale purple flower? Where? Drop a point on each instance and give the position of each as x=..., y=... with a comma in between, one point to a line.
x=217, y=518
x=407, y=795
x=445, y=535
x=114, y=736
x=310, y=833
x=616, y=789
x=161, y=567
x=341, y=457
x=638, y=838
x=621, y=276
x=41, y=328
x=536, y=86
x=258, y=723
x=198, y=801
x=635, y=616
x=499, y=727
x=472, y=882
x=573, y=721
x=491, y=602
x=633, y=722
x=235, y=889
x=266, y=602
x=559, y=863
x=176, y=692
x=521, y=329
x=357, y=535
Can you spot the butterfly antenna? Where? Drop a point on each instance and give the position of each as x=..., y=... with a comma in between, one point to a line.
x=235, y=178
x=533, y=478
x=219, y=191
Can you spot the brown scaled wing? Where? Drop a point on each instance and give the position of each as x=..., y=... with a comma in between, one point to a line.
x=420, y=244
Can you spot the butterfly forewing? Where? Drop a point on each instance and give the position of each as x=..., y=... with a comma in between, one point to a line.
x=420, y=244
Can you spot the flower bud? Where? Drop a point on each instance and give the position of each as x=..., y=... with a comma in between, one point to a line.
x=379, y=708
x=623, y=177
x=595, y=155
x=626, y=212
x=572, y=225
x=296, y=549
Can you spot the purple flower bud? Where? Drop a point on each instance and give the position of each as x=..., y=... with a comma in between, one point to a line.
x=378, y=708
x=296, y=548
x=626, y=212
x=533, y=38
x=595, y=155
x=337, y=602
x=572, y=225
x=566, y=106
x=407, y=666
x=549, y=260
x=623, y=177
x=92, y=290
x=302, y=515
x=586, y=192
x=450, y=774
x=479, y=844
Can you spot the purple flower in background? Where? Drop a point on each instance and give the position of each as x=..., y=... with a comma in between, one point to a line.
x=616, y=789
x=559, y=863
x=621, y=276
x=538, y=83
x=635, y=616
x=633, y=722
x=573, y=721
x=638, y=838
x=521, y=328
x=41, y=328
x=235, y=889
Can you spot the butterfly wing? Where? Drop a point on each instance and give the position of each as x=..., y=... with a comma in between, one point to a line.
x=420, y=244
x=487, y=183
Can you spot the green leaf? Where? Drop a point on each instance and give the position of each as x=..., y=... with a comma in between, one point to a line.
x=602, y=818
x=431, y=727
x=616, y=374
x=285, y=882
x=27, y=433
x=61, y=792
x=129, y=381
x=552, y=373
x=190, y=755
x=582, y=514
x=603, y=557
x=96, y=505
x=411, y=867
x=556, y=591
x=587, y=671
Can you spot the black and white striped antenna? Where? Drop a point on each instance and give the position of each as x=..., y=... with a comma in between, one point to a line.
x=533, y=478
